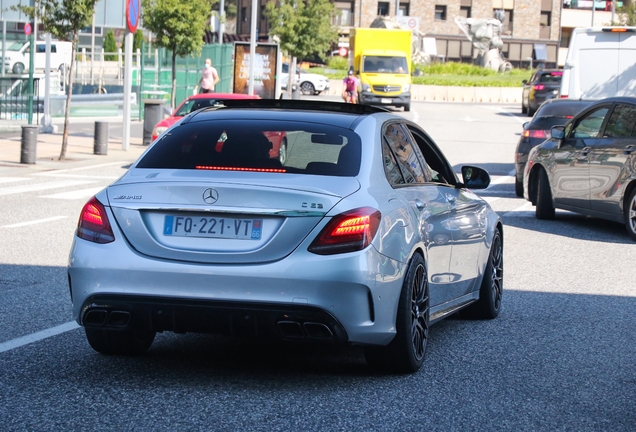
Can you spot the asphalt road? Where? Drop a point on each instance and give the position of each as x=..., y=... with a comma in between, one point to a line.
x=560, y=357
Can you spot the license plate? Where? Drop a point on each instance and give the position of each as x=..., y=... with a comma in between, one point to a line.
x=212, y=227
x=385, y=101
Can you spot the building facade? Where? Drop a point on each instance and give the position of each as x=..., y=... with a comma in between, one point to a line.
x=526, y=24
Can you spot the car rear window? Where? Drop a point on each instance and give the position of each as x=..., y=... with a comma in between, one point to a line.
x=551, y=77
x=256, y=145
x=546, y=123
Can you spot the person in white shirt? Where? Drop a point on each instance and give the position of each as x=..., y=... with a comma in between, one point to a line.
x=209, y=78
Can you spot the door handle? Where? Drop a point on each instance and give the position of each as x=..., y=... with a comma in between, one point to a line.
x=451, y=198
x=629, y=149
x=585, y=151
x=419, y=204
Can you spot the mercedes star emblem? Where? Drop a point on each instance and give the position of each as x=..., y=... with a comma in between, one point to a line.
x=210, y=196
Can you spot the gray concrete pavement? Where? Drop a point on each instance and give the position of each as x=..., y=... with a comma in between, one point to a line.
x=80, y=149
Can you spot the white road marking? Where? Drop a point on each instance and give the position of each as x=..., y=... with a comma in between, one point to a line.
x=78, y=194
x=34, y=222
x=11, y=179
x=80, y=176
x=55, y=172
x=41, y=186
x=35, y=337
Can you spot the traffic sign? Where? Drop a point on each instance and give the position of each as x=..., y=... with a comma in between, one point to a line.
x=27, y=29
x=133, y=12
x=342, y=51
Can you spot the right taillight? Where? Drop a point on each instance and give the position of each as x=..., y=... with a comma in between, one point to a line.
x=93, y=223
x=347, y=232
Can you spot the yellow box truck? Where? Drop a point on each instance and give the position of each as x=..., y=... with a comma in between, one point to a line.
x=382, y=61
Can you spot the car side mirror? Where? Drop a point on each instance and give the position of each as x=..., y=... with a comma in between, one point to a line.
x=525, y=125
x=557, y=132
x=524, y=82
x=475, y=178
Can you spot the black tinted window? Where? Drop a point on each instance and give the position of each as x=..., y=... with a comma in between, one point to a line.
x=256, y=146
x=553, y=77
x=407, y=158
x=621, y=122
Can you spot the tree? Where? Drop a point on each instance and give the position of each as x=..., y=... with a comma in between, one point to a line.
x=303, y=27
x=110, y=46
x=627, y=14
x=63, y=19
x=138, y=40
x=178, y=26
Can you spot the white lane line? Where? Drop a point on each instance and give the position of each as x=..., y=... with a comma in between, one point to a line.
x=34, y=222
x=41, y=186
x=80, y=176
x=35, y=337
x=525, y=210
x=55, y=172
x=12, y=179
x=78, y=194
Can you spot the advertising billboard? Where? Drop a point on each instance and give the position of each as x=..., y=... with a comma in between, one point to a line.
x=265, y=69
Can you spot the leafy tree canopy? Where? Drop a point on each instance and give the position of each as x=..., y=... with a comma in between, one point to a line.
x=627, y=14
x=176, y=24
x=303, y=26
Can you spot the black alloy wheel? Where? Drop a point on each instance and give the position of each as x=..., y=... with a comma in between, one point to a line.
x=491, y=290
x=405, y=353
x=544, y=208
x=630, y=214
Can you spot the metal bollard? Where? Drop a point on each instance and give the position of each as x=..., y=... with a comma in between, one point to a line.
x=29, y=148
x=100, y=143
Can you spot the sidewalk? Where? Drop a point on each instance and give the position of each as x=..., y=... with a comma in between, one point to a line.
x=80, y=149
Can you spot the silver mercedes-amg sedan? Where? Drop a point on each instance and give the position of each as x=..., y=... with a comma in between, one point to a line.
x=364, y=235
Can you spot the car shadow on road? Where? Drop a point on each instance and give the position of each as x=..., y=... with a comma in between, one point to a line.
x=568, y=224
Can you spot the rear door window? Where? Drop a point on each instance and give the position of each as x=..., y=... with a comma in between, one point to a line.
x=407, y=157
x=621, y=122
x=590, y=125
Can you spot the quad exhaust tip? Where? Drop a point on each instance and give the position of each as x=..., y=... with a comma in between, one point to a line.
x=105, y=318
x=312, y=330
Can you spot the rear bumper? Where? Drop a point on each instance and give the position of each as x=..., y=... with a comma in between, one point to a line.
x=348, y=297
x=289, y=322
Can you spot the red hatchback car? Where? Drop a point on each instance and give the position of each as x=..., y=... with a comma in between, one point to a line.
x=204, y=100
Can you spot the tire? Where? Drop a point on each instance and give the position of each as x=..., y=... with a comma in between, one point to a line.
x=545, y=207
x=407, y=108
x=405, y=353
x=119, y=342
x=18, y=69
x=307, y=88
x=531, y=111
x=491, y=290
x=630, y=214
x=282, y=151
x=524, y=110
x=518, y=187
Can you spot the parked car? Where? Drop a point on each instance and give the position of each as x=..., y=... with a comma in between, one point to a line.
x=199, y=101
x=349, y=241
x=552, y=112
x=588, y=165
x=309, y=83
x=544, y=84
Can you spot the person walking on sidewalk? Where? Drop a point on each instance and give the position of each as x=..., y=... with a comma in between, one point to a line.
x=209, y=78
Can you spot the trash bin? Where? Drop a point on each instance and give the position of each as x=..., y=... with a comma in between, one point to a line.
x=100, y=142
x=152, y=115
x=28, y=153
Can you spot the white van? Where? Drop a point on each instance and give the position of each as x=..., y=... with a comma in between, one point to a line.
x=17, y=56
x=601, y=62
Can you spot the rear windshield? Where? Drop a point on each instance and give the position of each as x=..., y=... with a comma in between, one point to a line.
x=256, y=145
x=551, y=77
x=546, y=123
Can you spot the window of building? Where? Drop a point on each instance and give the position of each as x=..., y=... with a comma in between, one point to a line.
x=404, y=9
x=464, y=11
x=546, y=19
x=440, y=12
x=566, y=33
x=344, y=18
x=89, y=30
x=507, y=22
x=244, y=13
x=383, y=8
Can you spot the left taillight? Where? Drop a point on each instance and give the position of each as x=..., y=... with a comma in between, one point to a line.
x=93, y=223
x=539, y=87
x=347, y=232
